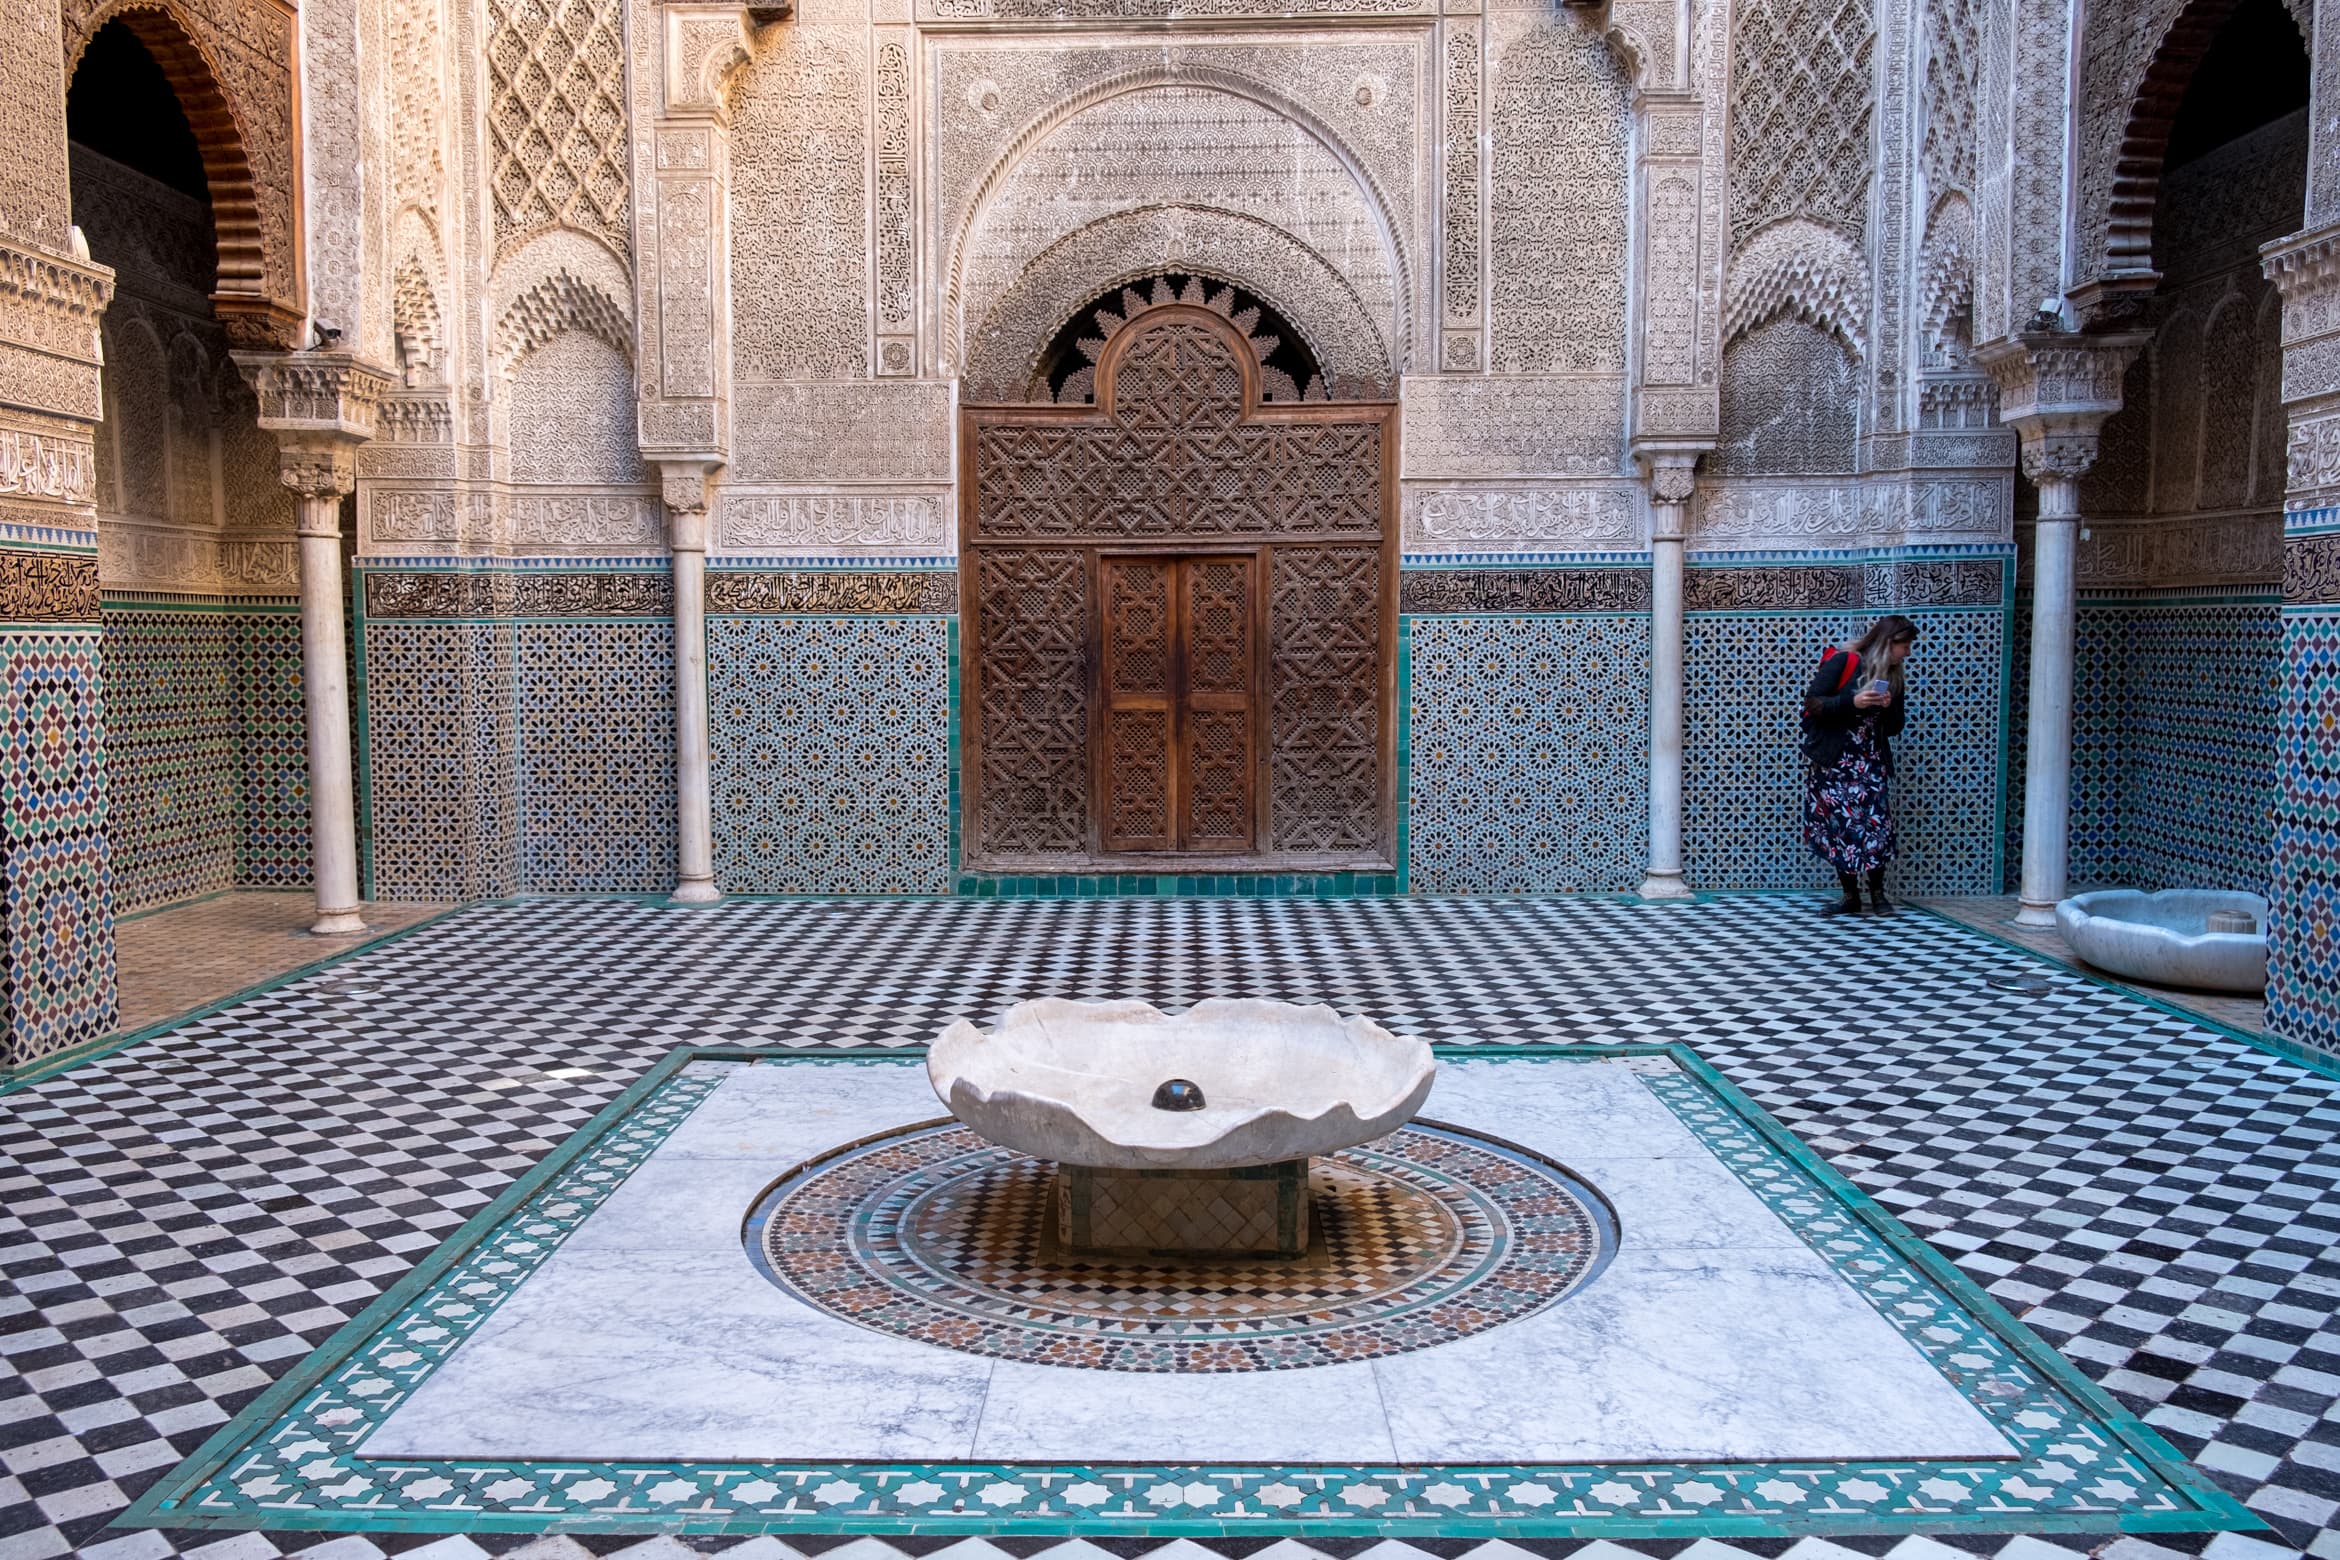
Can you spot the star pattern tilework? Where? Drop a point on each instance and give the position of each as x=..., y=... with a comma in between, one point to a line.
x=1530, y=754
x=1744, y=678
x=182, y=1221
x=831, y=744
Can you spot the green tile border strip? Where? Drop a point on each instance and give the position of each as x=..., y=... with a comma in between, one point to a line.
x=288, y=1460
x=49, y=1067
x=2313, y=1060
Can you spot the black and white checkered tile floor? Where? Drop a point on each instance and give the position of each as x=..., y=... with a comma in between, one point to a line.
x=182, y=1221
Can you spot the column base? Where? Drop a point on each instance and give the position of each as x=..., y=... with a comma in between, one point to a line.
x=337, y=923
x=2030, y=914
x=695, y=891
x=1666, y=885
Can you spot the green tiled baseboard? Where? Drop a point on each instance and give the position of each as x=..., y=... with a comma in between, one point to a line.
x=1228, y=885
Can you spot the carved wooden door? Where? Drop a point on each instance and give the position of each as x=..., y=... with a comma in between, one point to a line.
x=1177, y=768
x=1182, y=616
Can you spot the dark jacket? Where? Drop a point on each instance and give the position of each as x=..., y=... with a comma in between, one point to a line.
x=1829, y=715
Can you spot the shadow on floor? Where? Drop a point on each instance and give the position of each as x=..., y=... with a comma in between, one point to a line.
x=178, y=958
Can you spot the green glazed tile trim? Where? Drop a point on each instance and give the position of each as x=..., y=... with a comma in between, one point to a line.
x=291, y=1459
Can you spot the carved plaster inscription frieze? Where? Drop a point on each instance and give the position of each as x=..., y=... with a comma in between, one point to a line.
x=48, y=587
x=914, y=523
x=1512, y=426
x=856, y=591
x=58, y=466
x=1160, y=10
x=1607, y=589
x=1483, y=519
x=136, y=556
x=1749, y=514
x=2159, y=554
x=806, y=434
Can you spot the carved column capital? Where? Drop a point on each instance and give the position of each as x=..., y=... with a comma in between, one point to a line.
x=331, y=395
x=1672, y=475
x=316, y=466
x=684, y=487
x=2055, y=391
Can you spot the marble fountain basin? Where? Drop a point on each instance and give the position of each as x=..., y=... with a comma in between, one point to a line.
x=2165, y=938
x=1075, y=1082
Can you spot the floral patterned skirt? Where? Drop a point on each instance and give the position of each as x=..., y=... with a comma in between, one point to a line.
x=1848, y=812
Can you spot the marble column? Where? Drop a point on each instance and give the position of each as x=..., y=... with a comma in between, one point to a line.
x=320, y=475
x=684, y=486
x=2055, y=390
x=321, y=406
x=1670, y=486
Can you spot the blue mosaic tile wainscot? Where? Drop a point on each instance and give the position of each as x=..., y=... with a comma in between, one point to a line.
x=2173, y=743
x=1745, y=675
x=1529, y=744
x=832, y=753
x=2303, y=932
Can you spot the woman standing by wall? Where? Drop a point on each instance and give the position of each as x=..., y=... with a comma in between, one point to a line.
x=1852, y=711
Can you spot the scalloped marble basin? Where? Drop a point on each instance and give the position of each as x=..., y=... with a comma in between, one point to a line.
x=1075, y=1082
x=2165, y=938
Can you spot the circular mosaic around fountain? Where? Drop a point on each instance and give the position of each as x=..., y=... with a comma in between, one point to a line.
x=1426, y=1236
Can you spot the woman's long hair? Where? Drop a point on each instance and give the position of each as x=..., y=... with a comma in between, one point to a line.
x=1870, y=648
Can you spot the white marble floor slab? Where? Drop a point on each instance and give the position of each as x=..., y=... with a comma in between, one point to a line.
x=1714, y=1334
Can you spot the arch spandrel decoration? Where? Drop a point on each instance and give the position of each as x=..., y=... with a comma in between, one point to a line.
x=1180, y=456
x=230, y=64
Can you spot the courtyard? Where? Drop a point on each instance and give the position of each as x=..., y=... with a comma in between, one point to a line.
x=190, y=1218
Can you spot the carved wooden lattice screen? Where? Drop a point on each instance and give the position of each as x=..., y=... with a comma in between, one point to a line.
x=1183, y=612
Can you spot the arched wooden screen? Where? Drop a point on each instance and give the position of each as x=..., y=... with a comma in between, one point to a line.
x=1182, y=616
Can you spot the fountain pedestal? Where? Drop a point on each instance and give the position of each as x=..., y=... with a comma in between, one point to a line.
x=1257, y=1210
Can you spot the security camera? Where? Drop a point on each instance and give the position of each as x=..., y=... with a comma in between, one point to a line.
x=327, y=335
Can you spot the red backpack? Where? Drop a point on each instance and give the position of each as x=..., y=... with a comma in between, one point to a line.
x=1852, y=666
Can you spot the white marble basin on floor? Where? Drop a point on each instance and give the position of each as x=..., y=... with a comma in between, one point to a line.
x=2165, y=938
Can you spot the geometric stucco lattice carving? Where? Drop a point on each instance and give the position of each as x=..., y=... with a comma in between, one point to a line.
x=556, y=118
x=1953, y=46
x=1800, y=112
x=1799, y=268
x=1556, y=235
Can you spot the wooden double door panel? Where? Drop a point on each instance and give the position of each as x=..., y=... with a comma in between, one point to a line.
x=1179, y=688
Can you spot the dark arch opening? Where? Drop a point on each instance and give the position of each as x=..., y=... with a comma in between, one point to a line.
x=2254, y=72
x=121, y=105
x=1288, y=369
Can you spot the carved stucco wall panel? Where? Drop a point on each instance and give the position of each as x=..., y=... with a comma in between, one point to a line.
x=557, y=119
x=1196, y=149
x=1359, y=95
x=800, y=193
x=1557, y=202
x=1512, y=425
x=1342, y=331
x=1522, y=517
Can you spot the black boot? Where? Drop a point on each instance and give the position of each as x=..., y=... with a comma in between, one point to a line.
x=1878, y=903
x=1850, y=904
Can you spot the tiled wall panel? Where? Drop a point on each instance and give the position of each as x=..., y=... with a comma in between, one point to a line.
x=1745, y=676
x=208, y=769
x=831, y=739
x=2173, y=744
x=595, y=761
x=1529, y=741
x=56, y=873
x=440, y=767
x=2303, y=933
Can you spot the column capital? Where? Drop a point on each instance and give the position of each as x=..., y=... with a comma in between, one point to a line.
x=1672, y=475
x=706, y=44
x=316, y=395
x=2305, y=264
x=685, y=487
x=317, y=466
x=2055, y=390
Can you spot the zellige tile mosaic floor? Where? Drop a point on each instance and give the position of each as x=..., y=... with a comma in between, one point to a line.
x=185, y=1220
